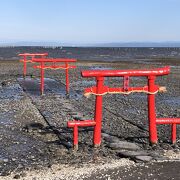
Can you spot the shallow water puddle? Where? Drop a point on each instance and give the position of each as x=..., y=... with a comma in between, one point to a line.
x=32, y=86
x=51, y=86
x=6, y=118
x=173, y=101
x=14, y=92
x=85, y=83
x=100, y=68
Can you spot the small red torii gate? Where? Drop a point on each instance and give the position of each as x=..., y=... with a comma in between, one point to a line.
x=99, y=90
x=25, y=59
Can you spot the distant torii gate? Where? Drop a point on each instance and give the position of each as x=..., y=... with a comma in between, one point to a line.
x=25, y=59
x=52, y=64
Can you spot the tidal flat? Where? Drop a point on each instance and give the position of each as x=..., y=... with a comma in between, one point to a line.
x=36, y=143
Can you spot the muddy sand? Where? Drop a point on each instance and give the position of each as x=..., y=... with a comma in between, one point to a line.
x=36, y=143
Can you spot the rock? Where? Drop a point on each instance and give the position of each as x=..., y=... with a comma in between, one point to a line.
x=161, y=158
x=68, y=144
x=78, y=117
x=123, y=145
x=73, y=113
x=143, y=158
x=33, y=127
x=4, y=173
x=155, y=154
x=132, y=153
x=111, y=139
x=105, y=135
x=5, y=83
x=13, y=159
x=17, y=176
x=66, y=110
x=3, y=160
x=23, y=174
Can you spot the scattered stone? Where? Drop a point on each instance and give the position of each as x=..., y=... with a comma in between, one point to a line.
x=23, y=174
x=166, y=146
x=143, y=158
x=47, y=114
x=68, y=145
x=105, y=135
x=78, y=117
x=13, y=159
x=111, y=139
x=123, y=145
x=4, y=173
x=160, y=158
x=66, y=110
x=155, y=154
x=5, y=83
x=73, y=113
x=132, y=153
x=3, y=160
x=33, y=126
x=17, y=176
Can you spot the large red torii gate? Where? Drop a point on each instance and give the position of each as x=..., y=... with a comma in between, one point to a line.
x=99, y=90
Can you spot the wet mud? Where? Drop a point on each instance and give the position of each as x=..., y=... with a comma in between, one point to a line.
x=34, y=133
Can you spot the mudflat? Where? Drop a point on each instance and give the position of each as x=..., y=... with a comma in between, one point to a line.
x=35, y=142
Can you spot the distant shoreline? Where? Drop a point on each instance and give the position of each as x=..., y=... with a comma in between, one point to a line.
x=105, y=54
x=130, y=44
x=83, y=46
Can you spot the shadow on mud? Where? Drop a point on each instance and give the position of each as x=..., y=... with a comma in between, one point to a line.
x=51, y=86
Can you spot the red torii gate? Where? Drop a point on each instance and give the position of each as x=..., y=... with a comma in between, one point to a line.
x=99, y=90
x=54, y=66
x=25, y=59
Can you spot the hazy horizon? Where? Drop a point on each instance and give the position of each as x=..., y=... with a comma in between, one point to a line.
x=99, y=44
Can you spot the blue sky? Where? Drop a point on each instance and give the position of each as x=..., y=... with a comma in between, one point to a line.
x=90, y=21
